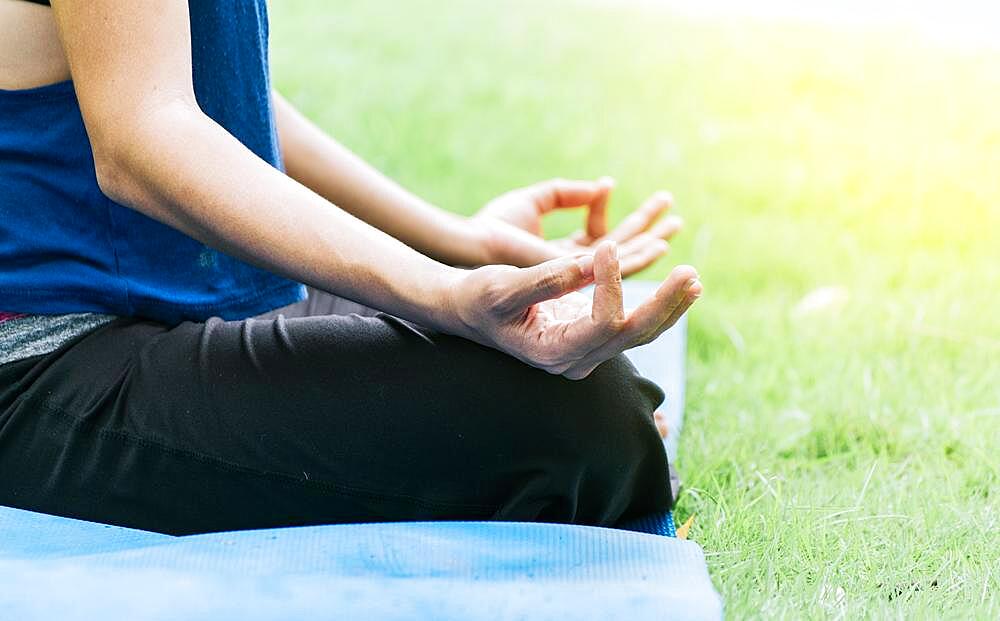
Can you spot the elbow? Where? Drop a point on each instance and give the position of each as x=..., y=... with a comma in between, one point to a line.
x=114, y=180
x=123, y=179
x=117, y=165
x=131, y=155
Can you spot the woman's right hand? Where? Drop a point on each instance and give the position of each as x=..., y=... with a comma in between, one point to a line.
x=537, y=315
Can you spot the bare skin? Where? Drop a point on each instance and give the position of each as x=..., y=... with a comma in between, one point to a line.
x=334, y=222
x=30, y=52
x=661, y=424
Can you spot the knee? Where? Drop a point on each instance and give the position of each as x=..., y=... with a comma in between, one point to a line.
x=603, y=458
x=626, y=465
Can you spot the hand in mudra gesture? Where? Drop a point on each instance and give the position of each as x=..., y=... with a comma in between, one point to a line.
x=512, y=224
x=537, y=314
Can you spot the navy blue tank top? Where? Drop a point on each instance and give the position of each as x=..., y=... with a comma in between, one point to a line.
x=65, y=247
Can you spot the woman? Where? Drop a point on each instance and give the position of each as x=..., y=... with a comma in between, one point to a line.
x=162, y=367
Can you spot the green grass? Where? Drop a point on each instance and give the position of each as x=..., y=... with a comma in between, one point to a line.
x=842, y=463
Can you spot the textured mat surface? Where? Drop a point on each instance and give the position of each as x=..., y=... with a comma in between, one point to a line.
x=461, y=570
x=54, y=567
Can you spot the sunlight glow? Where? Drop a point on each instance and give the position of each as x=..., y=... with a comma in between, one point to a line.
x=960, y=23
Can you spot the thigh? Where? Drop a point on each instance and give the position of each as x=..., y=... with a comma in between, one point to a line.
x=255, y=423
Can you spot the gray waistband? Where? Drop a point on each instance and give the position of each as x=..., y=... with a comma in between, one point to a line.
x=40, y=334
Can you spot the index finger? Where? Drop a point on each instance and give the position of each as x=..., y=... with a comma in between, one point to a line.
x=671, y=300
x=567, y=193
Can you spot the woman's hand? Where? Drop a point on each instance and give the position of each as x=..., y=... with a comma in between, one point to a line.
x=537, y=315
x=512, y=224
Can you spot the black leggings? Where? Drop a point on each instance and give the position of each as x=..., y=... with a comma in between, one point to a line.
x=312, y=418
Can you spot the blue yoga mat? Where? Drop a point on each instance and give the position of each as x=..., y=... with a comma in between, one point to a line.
x=462, y=571
x=58, y=568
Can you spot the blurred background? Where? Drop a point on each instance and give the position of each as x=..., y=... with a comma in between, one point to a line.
x=838, y=167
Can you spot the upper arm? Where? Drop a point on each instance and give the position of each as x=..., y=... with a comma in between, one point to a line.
x=129, y=61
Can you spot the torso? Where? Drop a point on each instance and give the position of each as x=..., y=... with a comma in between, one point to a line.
x=76, y=251
x=30, y=55
x=30, y=52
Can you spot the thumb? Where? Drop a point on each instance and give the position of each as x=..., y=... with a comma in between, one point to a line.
x=549, y=280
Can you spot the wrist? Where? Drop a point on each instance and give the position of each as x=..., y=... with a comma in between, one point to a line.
x=506, y=244
x=480, y=238
x=446, y=288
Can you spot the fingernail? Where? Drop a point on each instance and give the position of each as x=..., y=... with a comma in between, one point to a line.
x=608, y=181
x=690, y=284
x=614, y=251
x=586, y=264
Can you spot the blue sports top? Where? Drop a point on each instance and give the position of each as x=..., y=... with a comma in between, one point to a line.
x=67, y=248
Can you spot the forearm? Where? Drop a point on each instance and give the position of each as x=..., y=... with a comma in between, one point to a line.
x=202, y=181
x=331, y=170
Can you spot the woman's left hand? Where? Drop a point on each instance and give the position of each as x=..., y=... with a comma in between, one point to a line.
x=511, y=224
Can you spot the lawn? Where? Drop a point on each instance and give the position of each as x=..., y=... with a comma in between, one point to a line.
x=841, y=458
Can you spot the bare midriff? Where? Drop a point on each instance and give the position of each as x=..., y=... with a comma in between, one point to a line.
x=30, y=52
